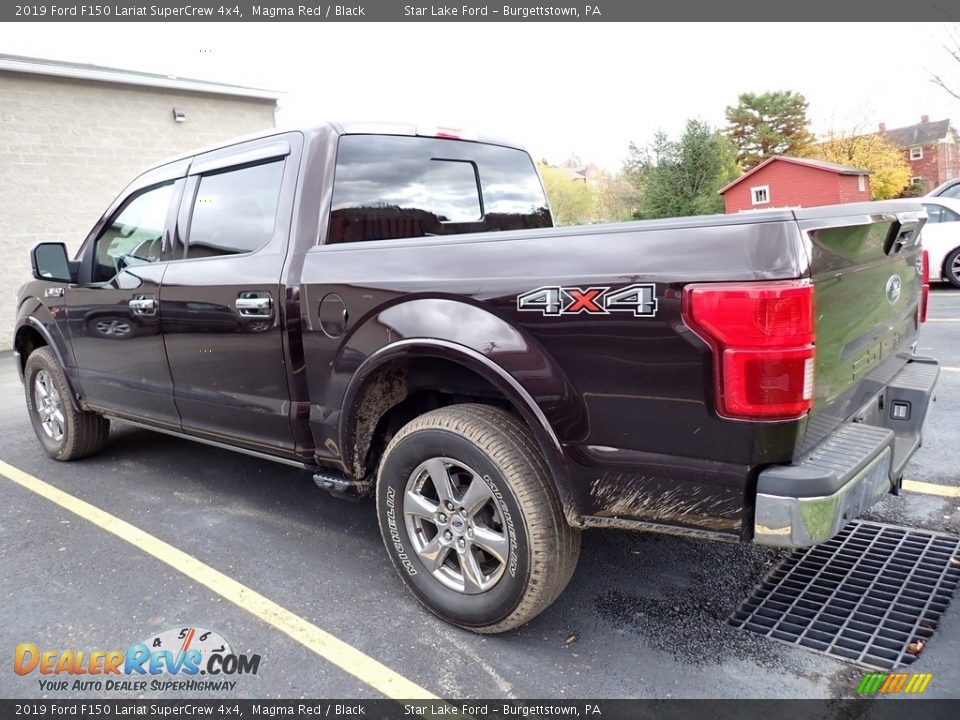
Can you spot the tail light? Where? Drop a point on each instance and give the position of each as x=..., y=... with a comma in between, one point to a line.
x=762, y=339
x=925, y=288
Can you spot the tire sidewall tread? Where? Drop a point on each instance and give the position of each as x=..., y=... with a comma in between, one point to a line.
x=547, y=545
x=84, y=433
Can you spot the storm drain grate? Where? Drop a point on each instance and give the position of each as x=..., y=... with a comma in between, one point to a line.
x=873, y=595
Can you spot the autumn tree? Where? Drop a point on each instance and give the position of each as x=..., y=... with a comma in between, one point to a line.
x=890, y=172
x=767, y=124
x=682, y=177
x=572, y=202
x=617, y=199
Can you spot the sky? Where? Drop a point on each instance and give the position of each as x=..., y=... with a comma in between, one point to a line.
x=558, y=88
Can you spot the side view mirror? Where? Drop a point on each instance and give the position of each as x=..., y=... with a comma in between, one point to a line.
x=49, y=261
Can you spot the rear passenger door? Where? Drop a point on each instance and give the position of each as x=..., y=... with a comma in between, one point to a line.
x=221, y=303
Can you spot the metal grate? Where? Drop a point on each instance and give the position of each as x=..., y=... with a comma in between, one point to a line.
x=872, y=595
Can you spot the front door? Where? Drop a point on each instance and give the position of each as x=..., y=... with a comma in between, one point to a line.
x=221, y=302
x=113, y=313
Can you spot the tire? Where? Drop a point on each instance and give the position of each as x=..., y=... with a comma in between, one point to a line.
x=65, y=432
x=951, y=268
x=506, y=552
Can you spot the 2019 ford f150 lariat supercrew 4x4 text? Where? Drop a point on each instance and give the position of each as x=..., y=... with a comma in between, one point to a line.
x=392, y=310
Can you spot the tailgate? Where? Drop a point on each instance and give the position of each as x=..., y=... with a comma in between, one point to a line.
x=865, y=266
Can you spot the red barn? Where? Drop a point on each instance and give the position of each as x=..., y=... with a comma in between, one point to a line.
x=782, y=181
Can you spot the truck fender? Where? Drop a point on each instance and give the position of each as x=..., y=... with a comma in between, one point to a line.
x=488, y=346
x=36, y=316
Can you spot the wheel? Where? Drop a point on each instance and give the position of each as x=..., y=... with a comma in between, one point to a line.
x=471, y=519
x=951, y=268
x=65, y=432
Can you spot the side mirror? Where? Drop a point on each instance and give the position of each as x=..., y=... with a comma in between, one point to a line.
x=49, y=261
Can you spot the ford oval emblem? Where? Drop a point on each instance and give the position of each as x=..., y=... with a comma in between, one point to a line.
x=893, y=288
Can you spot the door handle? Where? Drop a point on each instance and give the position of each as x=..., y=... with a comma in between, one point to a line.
x=143, y=305
x=254, y=306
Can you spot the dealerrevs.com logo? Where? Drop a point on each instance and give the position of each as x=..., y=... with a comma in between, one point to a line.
x=179, y=659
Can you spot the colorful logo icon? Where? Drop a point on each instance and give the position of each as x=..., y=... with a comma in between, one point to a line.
x=894, y=683
x=186, y=652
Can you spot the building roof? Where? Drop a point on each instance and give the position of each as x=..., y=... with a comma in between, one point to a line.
x=809, y=162
x=923, y=133
x=97, y=73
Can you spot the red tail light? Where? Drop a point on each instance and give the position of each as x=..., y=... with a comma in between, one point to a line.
x=762, y=339
x=925, y=288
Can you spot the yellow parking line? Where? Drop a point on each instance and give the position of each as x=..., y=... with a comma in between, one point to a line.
x=916, y=486
x=336, y=651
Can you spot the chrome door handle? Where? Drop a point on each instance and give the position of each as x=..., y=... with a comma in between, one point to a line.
x=254, y=306
x=143, y=305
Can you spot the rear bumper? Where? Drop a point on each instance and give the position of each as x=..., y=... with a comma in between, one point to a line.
x=809, y=501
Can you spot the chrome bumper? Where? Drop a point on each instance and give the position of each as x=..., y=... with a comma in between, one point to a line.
x=808, y=502
x=799, y=522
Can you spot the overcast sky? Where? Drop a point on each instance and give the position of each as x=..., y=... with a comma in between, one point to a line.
x=559, y=88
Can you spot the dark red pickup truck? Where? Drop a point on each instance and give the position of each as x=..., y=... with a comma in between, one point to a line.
x=391, y=310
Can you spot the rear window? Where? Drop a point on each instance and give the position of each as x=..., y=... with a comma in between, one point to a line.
x=389, y=187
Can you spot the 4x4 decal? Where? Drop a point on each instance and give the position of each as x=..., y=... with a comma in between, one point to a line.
x=552, y=300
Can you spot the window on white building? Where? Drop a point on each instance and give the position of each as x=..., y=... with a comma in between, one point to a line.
x=760, y=194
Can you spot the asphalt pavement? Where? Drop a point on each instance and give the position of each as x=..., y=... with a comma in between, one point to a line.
x=643, y=617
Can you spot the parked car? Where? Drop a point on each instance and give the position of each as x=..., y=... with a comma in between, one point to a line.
x=391, y=309
x=950, y=189
x=941, y=236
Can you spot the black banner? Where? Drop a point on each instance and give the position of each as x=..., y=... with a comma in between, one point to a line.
x=872, y=709
x=414, y=11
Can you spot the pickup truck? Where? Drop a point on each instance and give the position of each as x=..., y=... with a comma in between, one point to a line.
x=390, y=309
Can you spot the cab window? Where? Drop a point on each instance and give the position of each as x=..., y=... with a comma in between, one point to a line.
x=235, y=211
x=135, y=234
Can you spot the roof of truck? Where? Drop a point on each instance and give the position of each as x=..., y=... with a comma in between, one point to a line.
x=356, y=127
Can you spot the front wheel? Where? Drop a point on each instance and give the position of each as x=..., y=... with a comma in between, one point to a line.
x=951, y=268
x=471, y=519
x=64, y=431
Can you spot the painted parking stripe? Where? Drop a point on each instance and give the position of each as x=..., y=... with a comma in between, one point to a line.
x=931, y=488
x=949, y=369
x=943, y=319
x=336, y=651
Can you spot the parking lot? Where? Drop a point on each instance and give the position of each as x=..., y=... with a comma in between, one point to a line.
x=643, y=617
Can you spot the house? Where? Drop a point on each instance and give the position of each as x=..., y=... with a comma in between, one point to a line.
x=588, y=174
x=782, y=181
x=72, y=136
x=930, y=148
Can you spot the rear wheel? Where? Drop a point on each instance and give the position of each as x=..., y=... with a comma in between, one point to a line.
x=471, y=519
x=65, y=432
x=951, y=268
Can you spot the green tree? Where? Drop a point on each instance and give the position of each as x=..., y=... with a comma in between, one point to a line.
x=682, y=177
x=766, y=124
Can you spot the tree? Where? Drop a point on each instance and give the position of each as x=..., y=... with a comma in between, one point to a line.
x=572, y=202
x=771, y=123
x=617, y=199
x=952, y=46
x=873, y=152
x=682, y=178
